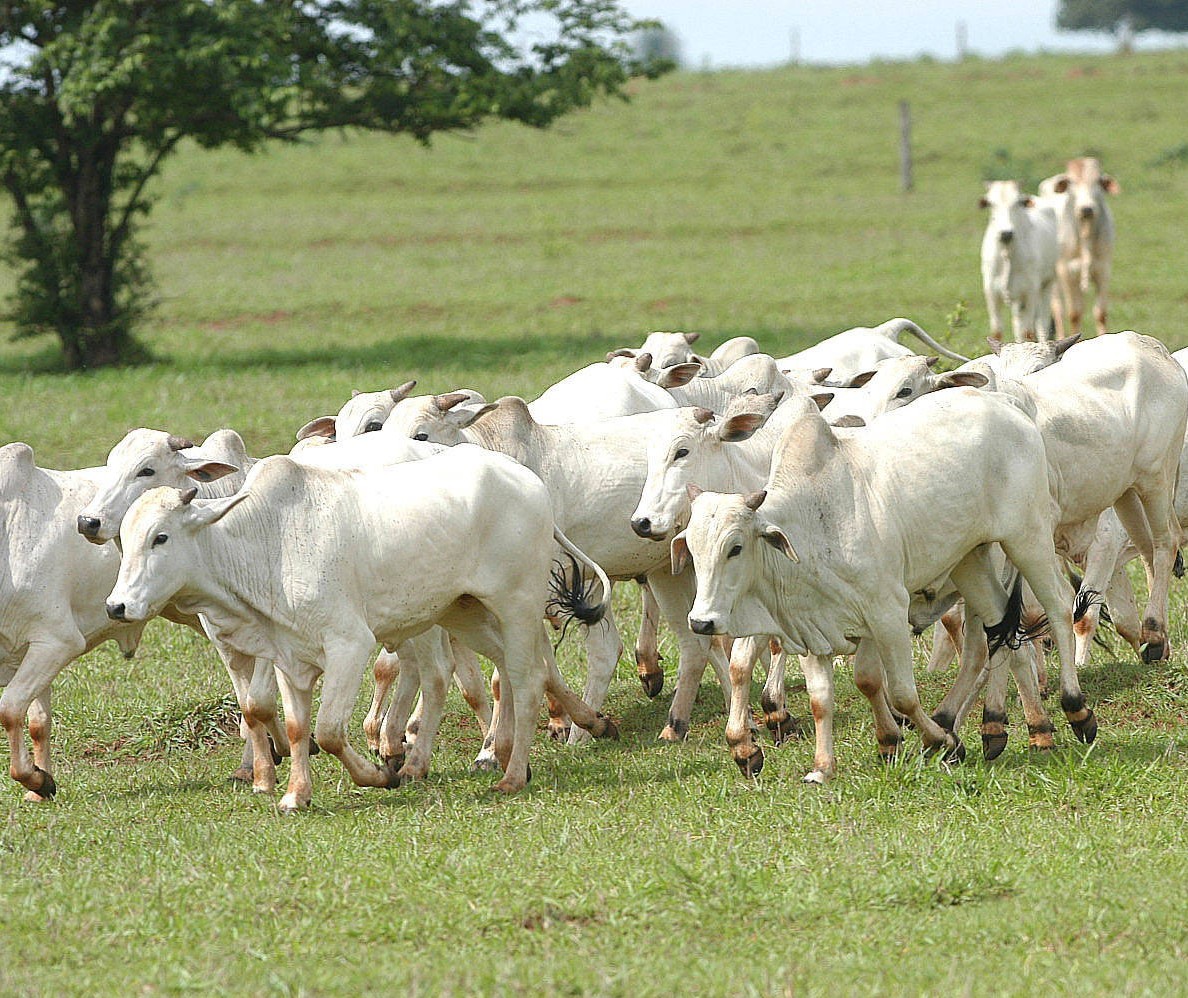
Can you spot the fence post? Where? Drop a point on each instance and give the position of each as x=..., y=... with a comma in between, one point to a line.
x=905, y=146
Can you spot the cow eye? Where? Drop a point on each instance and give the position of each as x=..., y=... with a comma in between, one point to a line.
x=421, y=436
x=372, y=426
x=683, y=452
x=160, y=539
x=904, y=392
x=734, y=551
x=145, y=473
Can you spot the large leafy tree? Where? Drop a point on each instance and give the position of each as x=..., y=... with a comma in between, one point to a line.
x=1122, y=17
x=96, y=94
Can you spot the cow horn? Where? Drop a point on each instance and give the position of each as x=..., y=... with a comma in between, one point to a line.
x=755, y=499
x=446, y=402
x=931, y=361
x=621, y=352
x=355, y=393
x=188, y=495
x=691, y=337
x=701, y=415
x=399, y=393
x=643, y=362
x=179, y=443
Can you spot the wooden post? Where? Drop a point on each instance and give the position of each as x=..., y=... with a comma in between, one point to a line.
x=905, y=146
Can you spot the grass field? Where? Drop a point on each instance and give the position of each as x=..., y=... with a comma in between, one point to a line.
x=729, y=203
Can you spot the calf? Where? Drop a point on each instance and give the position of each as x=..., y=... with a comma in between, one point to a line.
x=1019, y=254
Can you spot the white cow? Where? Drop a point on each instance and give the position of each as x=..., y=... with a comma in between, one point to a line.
x=1086, y=233
x=856, y=350
x=364, y=413
x=311, y=566
x=851, y=525
x=1019, y=253
x=893, y=383
x=52, y=586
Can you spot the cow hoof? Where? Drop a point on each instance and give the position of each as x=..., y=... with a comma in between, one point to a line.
x=33, y=797
x=652, y=683
x=992, y=746
x=752, y=765
x=48, y=787
x=485, y=764
x=558, y=732
x=1154, y=651
x=1086, y=729
x=289, y=804
x=784, y=728
x=609, y=728
x=508, y=786
x=242, y=775
x=816, y=778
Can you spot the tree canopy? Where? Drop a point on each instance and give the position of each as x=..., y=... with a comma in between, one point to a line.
x=96, y=94
x=1117, y=16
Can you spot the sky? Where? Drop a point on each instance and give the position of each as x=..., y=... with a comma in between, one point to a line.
x=721, y=33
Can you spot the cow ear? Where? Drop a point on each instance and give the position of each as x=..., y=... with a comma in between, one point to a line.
x=823, y=399
x=323, y=426
x=1061, y=184
x=1028, y=202
x=691, y=337
x=860, y=379
x=1110, y=185
x=983, y=202
x=774, y=536
x=621, y=352
x=960, y=379
x=204, y=512
x=207, y=471
x=678, y=375
x=995, y=345
x=741, y=426
x=1062, y=345
x=465, y=413
x=849, y=420
x=679, y=552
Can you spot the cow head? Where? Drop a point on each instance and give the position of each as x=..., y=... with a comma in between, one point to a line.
x=1006, y=202
x=663, y=350
x=160, y=556
x=1086, y=185
x=147, y=459
x=1017, y=360
x=692, y=451
x=729, y=539
x=439, y=419
x=894, y=383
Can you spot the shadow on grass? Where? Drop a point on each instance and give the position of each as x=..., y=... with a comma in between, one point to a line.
x=414, y=353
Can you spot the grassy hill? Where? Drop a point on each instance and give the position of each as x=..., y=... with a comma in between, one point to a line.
x=728, y=203
x=762, y=203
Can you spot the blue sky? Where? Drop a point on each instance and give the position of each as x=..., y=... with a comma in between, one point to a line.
x=759, y=32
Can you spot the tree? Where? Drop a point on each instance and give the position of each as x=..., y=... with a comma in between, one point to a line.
x=1122, y=18
x=96, y=94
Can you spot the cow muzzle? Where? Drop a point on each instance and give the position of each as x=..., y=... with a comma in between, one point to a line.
x=703, y=626
x=1006, y=237
x=642, y=526
x=89, y=526
x=117, y=611
x=1086, y=212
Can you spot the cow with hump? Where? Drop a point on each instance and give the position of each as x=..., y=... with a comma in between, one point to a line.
x=311, y=566
x=852, y=524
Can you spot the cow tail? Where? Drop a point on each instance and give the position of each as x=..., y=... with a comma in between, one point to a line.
x=571, y=596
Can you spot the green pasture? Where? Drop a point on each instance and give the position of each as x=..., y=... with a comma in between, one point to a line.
x=751, y=203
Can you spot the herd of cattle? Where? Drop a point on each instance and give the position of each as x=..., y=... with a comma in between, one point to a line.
x=831, y=502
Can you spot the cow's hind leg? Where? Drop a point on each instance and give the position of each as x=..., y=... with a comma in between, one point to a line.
x=385, y=671
x=1147, y=516
x=647, y=647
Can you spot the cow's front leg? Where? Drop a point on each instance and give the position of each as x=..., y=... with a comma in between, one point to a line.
x=385, y=671
x=746, y=754
x=647, y=646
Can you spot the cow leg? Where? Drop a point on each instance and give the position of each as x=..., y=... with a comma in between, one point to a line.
x=746, y=754
x=993, y=308
x=392, y=743
x=434, y=664
x=675, y=597
x=1146, y=515
x=297, y=696
x=345, y=660
x=486, y=760
x=1109, y=541
x=1020, y=323
x=647, y=648
x=1075, y=296
x=1039, y=724
x=818, y=679
x=43, y=660
x=1100, y=273
x=385, y=671
x=524, y=669
x=947, y=638
x=468, y=675
x=584, y=716
x=603, y=648
x=41, y=725
x=1124, y=611
x=774, y=698
x=259, y=765
x=1036, y=560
